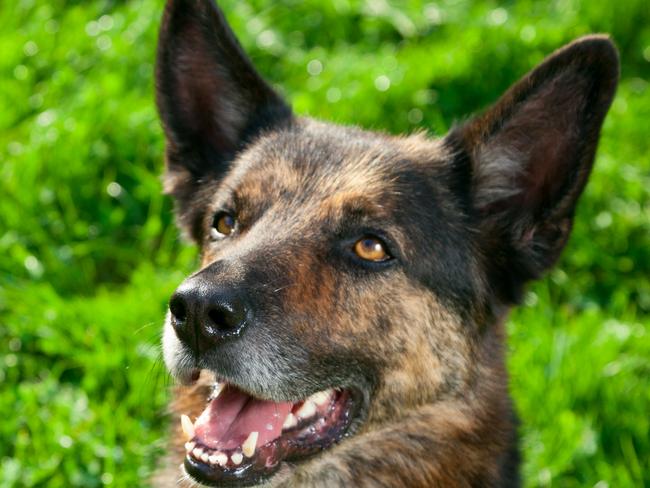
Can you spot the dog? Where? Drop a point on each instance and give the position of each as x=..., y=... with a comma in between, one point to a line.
x=346, y=324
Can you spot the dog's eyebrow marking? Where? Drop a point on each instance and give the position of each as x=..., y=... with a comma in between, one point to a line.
x=350, y=203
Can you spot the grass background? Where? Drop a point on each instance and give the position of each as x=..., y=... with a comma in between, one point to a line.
x=89, y=253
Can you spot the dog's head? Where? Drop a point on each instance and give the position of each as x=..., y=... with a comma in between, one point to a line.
x=349, y=276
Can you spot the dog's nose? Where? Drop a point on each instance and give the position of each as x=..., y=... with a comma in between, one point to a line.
x=203, y=315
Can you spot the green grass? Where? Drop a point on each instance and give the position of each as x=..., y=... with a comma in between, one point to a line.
x=89, y=253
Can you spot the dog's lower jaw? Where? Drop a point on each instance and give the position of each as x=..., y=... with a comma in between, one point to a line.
x=439, y=445
x=449, y=443
x=409, y=454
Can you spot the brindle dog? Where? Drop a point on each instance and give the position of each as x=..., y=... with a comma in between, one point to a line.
x=346, y=325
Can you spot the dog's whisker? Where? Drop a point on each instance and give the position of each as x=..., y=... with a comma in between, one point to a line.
x=145, y=326
x=284, y=287
x=185, y=478
x=157, y=373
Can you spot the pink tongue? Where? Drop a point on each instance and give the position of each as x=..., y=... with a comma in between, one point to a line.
x=233, y=415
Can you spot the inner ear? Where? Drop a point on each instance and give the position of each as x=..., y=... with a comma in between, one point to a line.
x=211, y=98
x=535, y=155
x=530, y=155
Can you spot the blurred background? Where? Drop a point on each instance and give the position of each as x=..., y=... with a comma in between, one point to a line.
x=89, y=254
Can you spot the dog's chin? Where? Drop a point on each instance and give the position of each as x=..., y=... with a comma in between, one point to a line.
x=243, y=440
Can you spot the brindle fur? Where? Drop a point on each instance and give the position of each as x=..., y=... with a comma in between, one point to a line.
x=471, y=217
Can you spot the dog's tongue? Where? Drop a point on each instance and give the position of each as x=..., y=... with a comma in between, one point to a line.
x=233, y=415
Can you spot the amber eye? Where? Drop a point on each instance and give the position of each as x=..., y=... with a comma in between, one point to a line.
x=222, y=225
x=371, y=249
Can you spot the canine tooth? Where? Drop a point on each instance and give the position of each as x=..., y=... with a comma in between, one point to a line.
x=219, y=458
x=197, y=452
x=307, y=410
x=205, y=457
x=189, y=446
x=321, y=397
x=237, y=458
x=188, y=427
x=248, y=447
x=217, y=388
x=290, y=421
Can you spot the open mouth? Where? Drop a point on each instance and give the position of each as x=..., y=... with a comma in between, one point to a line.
x=241, y=440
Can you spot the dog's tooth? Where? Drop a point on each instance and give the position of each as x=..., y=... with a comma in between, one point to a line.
x=220, y=458
x=290, y=421
x=237, y=458
x=205, y=457
x=187, y=426
x=307, y=410
x=216, y=390
x=189, y=446
x=249, y=445
x=197, y=452
x=212, y=459
x=321, y=397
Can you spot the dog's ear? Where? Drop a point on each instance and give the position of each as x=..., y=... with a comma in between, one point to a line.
x=529, y=156
x=211, y=100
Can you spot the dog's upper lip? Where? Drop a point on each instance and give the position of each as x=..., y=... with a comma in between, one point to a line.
x=188, y=377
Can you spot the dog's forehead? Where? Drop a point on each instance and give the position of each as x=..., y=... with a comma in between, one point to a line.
x=332, y=164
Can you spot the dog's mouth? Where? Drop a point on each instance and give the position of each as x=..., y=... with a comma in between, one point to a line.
x=241, y=440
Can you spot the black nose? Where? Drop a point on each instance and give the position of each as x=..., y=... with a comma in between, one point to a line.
x=204, y=314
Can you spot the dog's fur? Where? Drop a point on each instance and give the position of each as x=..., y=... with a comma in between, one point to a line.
x=469, y=218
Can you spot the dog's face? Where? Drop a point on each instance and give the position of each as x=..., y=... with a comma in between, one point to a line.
x=323, y=238
x=348, y=276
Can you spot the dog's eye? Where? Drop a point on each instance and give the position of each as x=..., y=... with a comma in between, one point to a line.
x=223, y=225
x=371, y=249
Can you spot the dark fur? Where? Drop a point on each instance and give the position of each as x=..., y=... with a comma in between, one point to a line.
x=470, y=219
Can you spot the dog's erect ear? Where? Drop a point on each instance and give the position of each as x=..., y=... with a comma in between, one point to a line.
x=210, y=98
x=530, y=156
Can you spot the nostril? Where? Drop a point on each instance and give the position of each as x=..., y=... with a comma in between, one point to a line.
x=218, y=317
x=226, y=317
x=178, y=308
